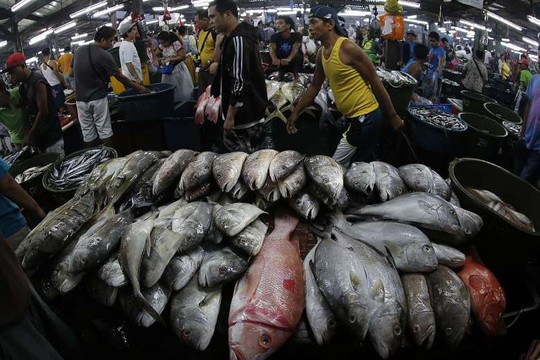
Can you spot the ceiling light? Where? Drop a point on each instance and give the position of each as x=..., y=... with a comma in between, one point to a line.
x=412, y=17
x=447, y=22
x=474, y=25
x=31, y=60
x=533, y=20
x=78, y=36
x=40, y=37
x=410, y=4
x=460, y=29
x=505, y=40
x=152, y=21
x=65, y=27
x=530, y=41
x=289, y=12
x=441, y=29
x=271, y=10
x=159, y=8
x=108, y=10
x=513, y=47
x=88, y=9
x=452, y=31
x=533, y=57
x=421, y=22
x=20, y=5
x=358, y=13
x=504, y=21
x=3, y=43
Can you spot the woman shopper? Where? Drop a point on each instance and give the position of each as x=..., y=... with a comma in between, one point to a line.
x=475, y=73
x=172, y=52
x=49, y=69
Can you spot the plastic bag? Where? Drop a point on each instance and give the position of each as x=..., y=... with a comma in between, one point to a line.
x=165, y=69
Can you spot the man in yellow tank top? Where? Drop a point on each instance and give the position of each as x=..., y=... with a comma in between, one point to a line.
x=356, y=86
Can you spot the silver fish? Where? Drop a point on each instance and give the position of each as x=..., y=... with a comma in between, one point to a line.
x=326, y=174
x=387, y=180
x=221, y=266
x=451, y=305
x=111, y=272
x=440, y=187
x=418, y=177
x=255, y=169
x=197, y=172
x=214, y=235
x=361, y=178
x=194, y=313
x=420, y=316
x=292, y=91
x=232, y=219
x=182, y=268
x=172, y=169
x=283, y=164
x=319, y=315
x=250, y=240
x=157, y=296
x=227, y=169
x=239, y=190
x=200, y=191
x=293, y=183
x=270, y=191
x=449, y=256
x=304, y=204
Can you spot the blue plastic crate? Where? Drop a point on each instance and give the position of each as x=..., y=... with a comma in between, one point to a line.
x=443, y=107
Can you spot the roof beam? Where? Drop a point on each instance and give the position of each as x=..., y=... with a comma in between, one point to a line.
x=5, y=31
x=29, y=9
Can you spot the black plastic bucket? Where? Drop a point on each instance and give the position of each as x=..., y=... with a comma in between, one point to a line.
x=400, y=96
x=153, y=106
x=452, y=75
x=501, y=113
x=500, y=243
x=474, y=102
x=484, y=137
x=34, y=186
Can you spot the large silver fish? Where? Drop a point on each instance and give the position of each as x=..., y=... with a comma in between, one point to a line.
x=418, y=177
x=221, y=266
x=197, y=172
x=270, y=191
x=293, y=183
x=449, y=256
x=283, y=164
x=111, y=272
x=182, y=268
x=451, y=305
x=255, y=169
x=292, y=91
x=172, y=169
x=227, y=169
x=361, y=178
x=157, y=296
x=250, y=240
x=194, y=313
x=420, y=316
x=232, y=219
x=304, y=204
x=326, y=174
x=387, y=181
x=441, y=187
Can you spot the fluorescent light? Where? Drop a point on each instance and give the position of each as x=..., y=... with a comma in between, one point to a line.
x=533, y=57
x=160, y=8
x=355, y=13
x=421, y=22
x=3, y=43
x=505, y=40
x=40, y=37
x=474, y=25
x=290, y=12
x=410, y=4
x=108, y=10
x=442, y=29
x=447, y=22
x=460, y=29
x=65, y=27
x=513, y=47
x=412, y=17
x=107, y=24
x=88, y=9
x=31, y=60
x=452, y=31
x=80, y=42
x=530, y=41
x=78, y=36
x=504, y=21
x=20, y=5
x=533, y=20
x=271, y=10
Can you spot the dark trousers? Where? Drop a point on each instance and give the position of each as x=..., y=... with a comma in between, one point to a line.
x=529, y=166
x=205, y=79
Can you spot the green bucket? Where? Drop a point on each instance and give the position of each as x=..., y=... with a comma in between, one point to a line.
x=474, y=102
x=61, y=196
x=501, y=113
x=484, y=137
x=34, y=186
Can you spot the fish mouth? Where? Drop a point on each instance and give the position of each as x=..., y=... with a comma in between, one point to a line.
x=427, y=340
x=236, y=354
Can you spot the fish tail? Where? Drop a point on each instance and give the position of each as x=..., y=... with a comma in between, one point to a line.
x=285, y=220
x=147, y=307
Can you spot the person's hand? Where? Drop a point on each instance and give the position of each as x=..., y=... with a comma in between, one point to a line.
x=140, y=82
x=228, y=125
x=40, y=214
x=291, y=121
x=534, y=351
x=275, y=62
x=205, y=65
x=396, y=121
x=29, y=139
x=285, y=62
x=142, y=90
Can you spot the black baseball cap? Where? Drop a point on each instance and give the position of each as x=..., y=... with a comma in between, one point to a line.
x=327, y=13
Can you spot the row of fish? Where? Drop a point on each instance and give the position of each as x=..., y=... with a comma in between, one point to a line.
x=31, y=173
x=70, y=173
x=396, y=78
x=503, y=208
x=438, y=118
x=14, y=157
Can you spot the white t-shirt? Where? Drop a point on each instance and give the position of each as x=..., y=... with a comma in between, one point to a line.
x=128, y=54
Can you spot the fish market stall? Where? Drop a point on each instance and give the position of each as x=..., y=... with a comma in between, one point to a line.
x=266, y=254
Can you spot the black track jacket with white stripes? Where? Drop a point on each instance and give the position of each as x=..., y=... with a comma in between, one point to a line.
x=240, y=78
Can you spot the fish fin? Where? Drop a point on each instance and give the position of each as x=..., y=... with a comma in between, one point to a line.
x=118, y=193
x=285, y=220
x=355, y=280
x=390, y=258
x=378, y=291
x=148, y=308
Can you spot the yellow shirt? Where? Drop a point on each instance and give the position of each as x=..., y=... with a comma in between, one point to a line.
x=353, y=96
x=505, y=71
x=208, y=51
x=64, y=62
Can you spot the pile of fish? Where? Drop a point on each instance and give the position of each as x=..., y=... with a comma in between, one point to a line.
x=450, y=82
x=15, y=156
x=395, y=78
x=71, y=172
x=31, y=173
x=512, y=127
x=506, y=210
x=384, y=267
x=438, y=118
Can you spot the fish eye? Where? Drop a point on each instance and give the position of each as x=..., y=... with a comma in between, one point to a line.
x=416, y=328
x=186, y=333
x=222, y=270
x=448, y=331
x=427, y=248
x=352, y=318
x=467, y=231
x=397, y=330
x=265, y=340
x=331, y=323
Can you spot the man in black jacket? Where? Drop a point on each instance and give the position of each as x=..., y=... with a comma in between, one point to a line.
x=239, y=79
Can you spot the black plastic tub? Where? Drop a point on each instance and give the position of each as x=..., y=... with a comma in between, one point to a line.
x=154, y=106
x=474, y=102
x=501, y=243
x=501, y=113
x=484, y=137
